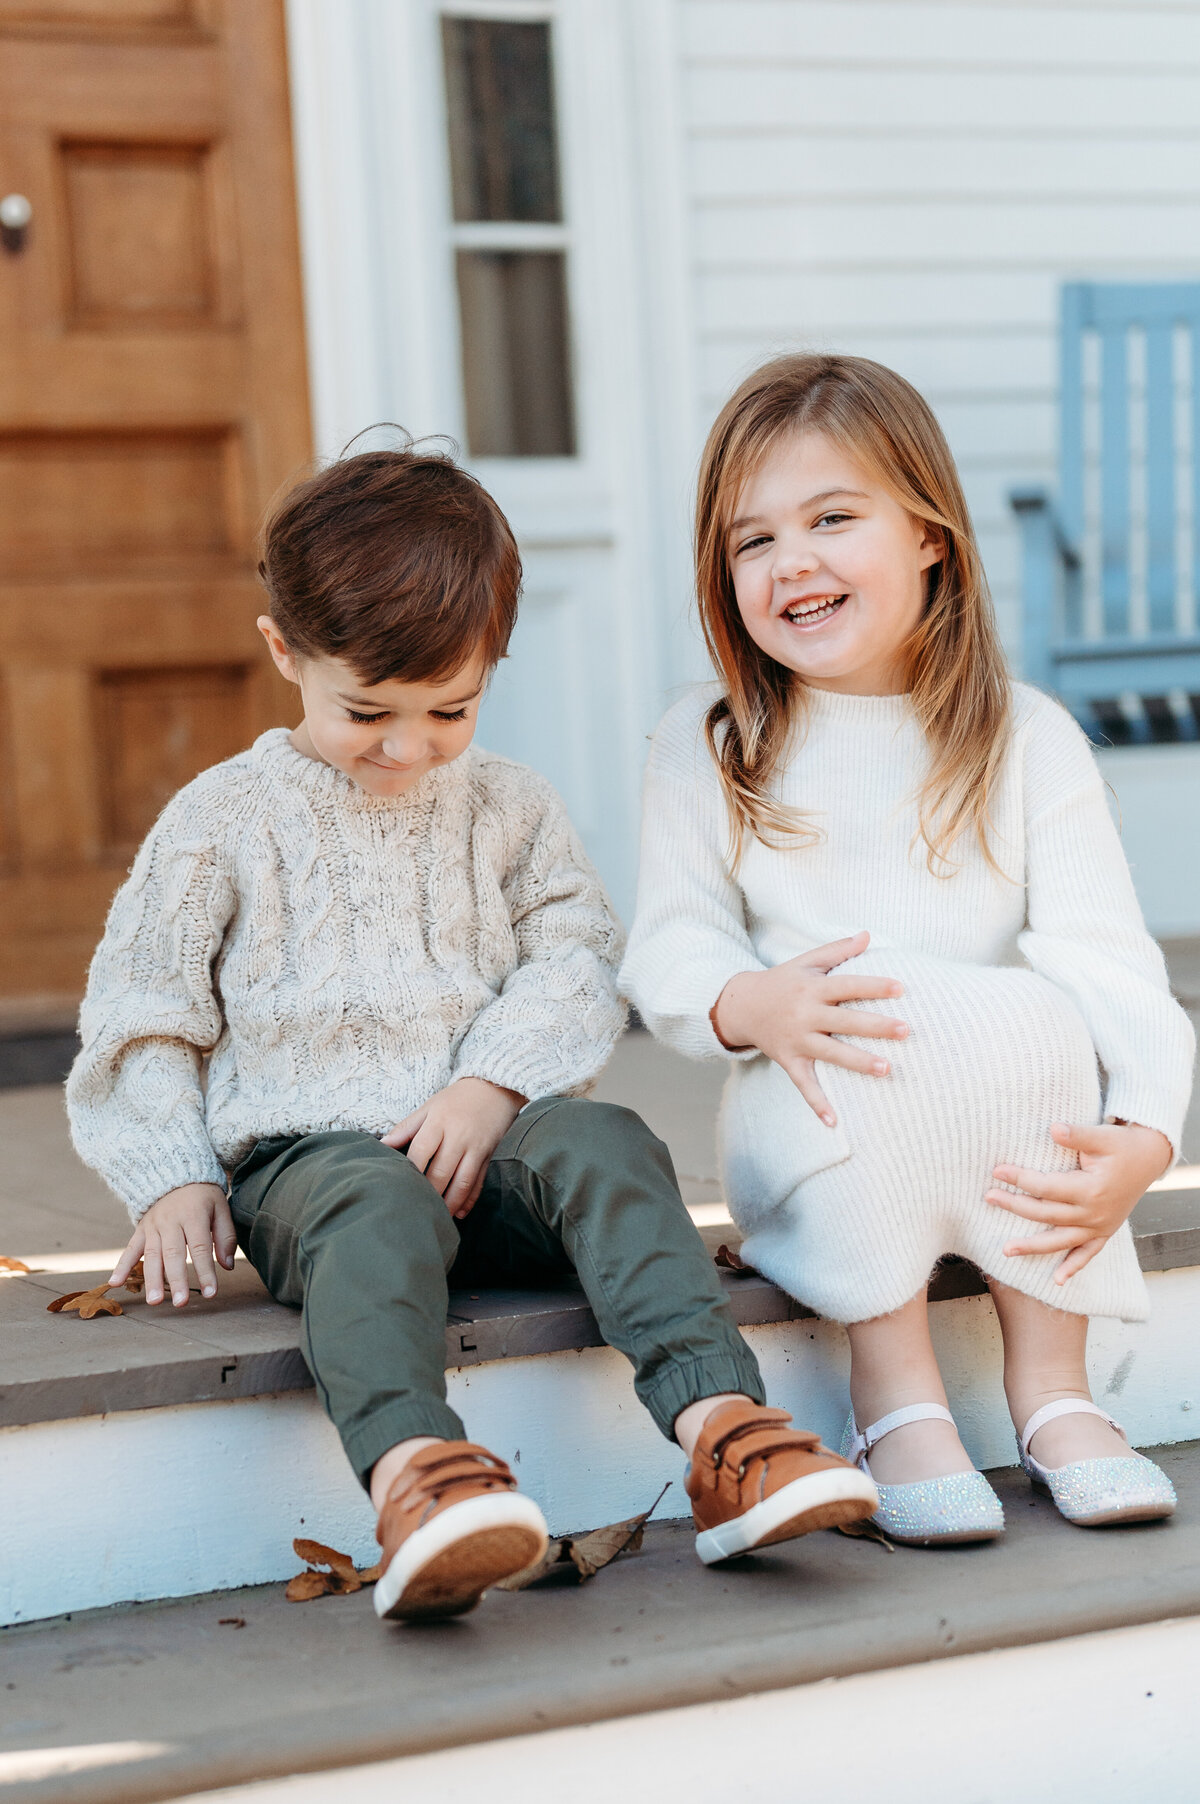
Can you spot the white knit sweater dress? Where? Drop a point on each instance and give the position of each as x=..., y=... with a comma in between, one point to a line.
x=338, y=958
x=1032, y=998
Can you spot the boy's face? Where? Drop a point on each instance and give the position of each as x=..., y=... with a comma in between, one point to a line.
x=383, y=736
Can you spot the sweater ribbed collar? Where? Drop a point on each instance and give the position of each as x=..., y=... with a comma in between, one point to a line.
x=278, y=756
x=857, y=710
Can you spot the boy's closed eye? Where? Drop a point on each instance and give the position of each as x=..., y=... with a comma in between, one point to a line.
x=371, y=720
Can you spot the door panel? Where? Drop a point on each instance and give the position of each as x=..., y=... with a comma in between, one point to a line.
x=152, y=400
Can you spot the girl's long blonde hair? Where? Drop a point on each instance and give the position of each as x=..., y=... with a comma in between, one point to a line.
x=956, y=673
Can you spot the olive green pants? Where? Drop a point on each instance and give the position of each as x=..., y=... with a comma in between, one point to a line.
x=351, y=1233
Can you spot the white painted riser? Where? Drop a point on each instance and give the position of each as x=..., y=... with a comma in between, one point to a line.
x=207, y=1496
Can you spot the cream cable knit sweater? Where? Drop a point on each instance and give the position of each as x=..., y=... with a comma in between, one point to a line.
x=851, y=1220
x=338, y=958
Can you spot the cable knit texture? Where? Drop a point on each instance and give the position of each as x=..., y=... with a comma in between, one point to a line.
x=1032, y=997
x=337, y=958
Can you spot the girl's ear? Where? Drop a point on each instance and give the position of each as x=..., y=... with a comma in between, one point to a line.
x=284, y=662
x=931, y=547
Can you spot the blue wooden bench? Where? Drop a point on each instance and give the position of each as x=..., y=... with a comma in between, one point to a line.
x=1111, y=602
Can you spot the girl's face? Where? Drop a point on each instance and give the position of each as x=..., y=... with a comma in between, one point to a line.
x=383, y=736
x=828, y=569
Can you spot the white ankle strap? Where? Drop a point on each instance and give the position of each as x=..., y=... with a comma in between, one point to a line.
x=865, y=1438
x=1064, y=1406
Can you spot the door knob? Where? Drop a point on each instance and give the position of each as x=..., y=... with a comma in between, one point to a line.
x=16, y=211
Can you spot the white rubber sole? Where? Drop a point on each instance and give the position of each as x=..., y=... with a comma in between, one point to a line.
x=445, y=1566
x=822, y=1500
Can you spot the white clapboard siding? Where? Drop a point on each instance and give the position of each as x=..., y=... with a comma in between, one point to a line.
x=914, y=182
x=1081, y=36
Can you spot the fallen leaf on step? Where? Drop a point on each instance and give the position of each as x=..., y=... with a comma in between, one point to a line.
x=231, y=1622
x=135, y=1283
x=88, y=1303
x=730, y=1261
x=12, y=1265
x=305, y=1586
x=866, y=1531
x=555, y=1554
x=587, y=1553
x=342, y=1578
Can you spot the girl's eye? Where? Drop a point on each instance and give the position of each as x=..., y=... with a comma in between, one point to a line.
x=833, y=519
x=364, y=720
x=461, y=715
x=752, y=544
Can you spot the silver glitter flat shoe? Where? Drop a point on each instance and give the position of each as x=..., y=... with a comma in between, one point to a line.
x=933, y=1512
x=1094, y=1492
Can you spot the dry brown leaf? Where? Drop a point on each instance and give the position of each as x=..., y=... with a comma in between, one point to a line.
x=315, y=1553
x=341, y=1580
x=305, y=1586
x=587, y=1553
x=135, y=1283
x=554, y=1555
x=88, y=1303
x=730, y=1261
x=866, y=1531
x=13, y=1265
x=231, y=1622
x=592, y=1552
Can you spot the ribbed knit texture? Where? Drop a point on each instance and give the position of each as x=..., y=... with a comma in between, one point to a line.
x=339, y=958
x=851, y=1220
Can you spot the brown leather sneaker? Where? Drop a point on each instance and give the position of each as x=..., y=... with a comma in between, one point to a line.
x=755, y=1479
x=451, y=1525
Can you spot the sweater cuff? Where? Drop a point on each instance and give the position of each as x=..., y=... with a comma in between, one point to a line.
x=143, y=1175
x=541, y=1060
x=685, y=1022
x=1143, y=1106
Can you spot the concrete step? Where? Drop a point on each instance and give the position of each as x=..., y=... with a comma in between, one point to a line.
x=164, y=1412
x=138, y=1703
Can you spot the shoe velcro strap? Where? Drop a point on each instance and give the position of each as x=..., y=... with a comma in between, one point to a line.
x=1065, y=1406
x=755, y=1441
x=462, y=1464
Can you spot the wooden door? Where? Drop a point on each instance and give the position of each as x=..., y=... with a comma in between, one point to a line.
x=153, y=397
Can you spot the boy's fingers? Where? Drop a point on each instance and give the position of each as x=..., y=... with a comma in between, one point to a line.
x=224, y=1234
x=152, y=1270
x=175, y=1268
x=824, y=958
x=423, y=1145
x=129, y=1257
x=403, y=1131
x=863, y=1022
x=803, y=1074
x=200, y=1247
x=1075, y=1262
x=463, y=1188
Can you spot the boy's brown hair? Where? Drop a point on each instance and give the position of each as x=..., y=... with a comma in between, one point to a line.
x=397, y=562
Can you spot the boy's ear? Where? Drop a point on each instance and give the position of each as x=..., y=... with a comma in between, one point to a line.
x=285, y=663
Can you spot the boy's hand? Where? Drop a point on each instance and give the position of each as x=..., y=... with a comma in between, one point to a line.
x=791, y=1015
x=194, y=1219
x=1117, y=1165
x=453, y=1136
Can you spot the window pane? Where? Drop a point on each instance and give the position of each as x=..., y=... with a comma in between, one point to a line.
x=503, y=154
x=516, y=366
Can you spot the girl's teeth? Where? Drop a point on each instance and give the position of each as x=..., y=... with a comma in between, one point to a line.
x=817, y=613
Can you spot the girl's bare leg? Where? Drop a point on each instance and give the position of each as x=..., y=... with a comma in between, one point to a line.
x=1044, y=1359
x=892, y=1363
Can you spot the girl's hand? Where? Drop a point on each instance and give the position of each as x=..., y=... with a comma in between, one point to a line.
x=194, y=1219
x=453, y=1136
x=791, y=1014
x=1117, y=1165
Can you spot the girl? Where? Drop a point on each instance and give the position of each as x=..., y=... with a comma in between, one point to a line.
x=865, y=756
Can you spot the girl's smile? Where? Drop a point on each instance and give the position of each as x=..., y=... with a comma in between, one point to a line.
x=828, y=568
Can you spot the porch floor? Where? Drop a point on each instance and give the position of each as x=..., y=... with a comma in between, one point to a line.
x=168, y=1698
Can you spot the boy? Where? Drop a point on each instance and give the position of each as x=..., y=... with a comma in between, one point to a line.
x=400, y=968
